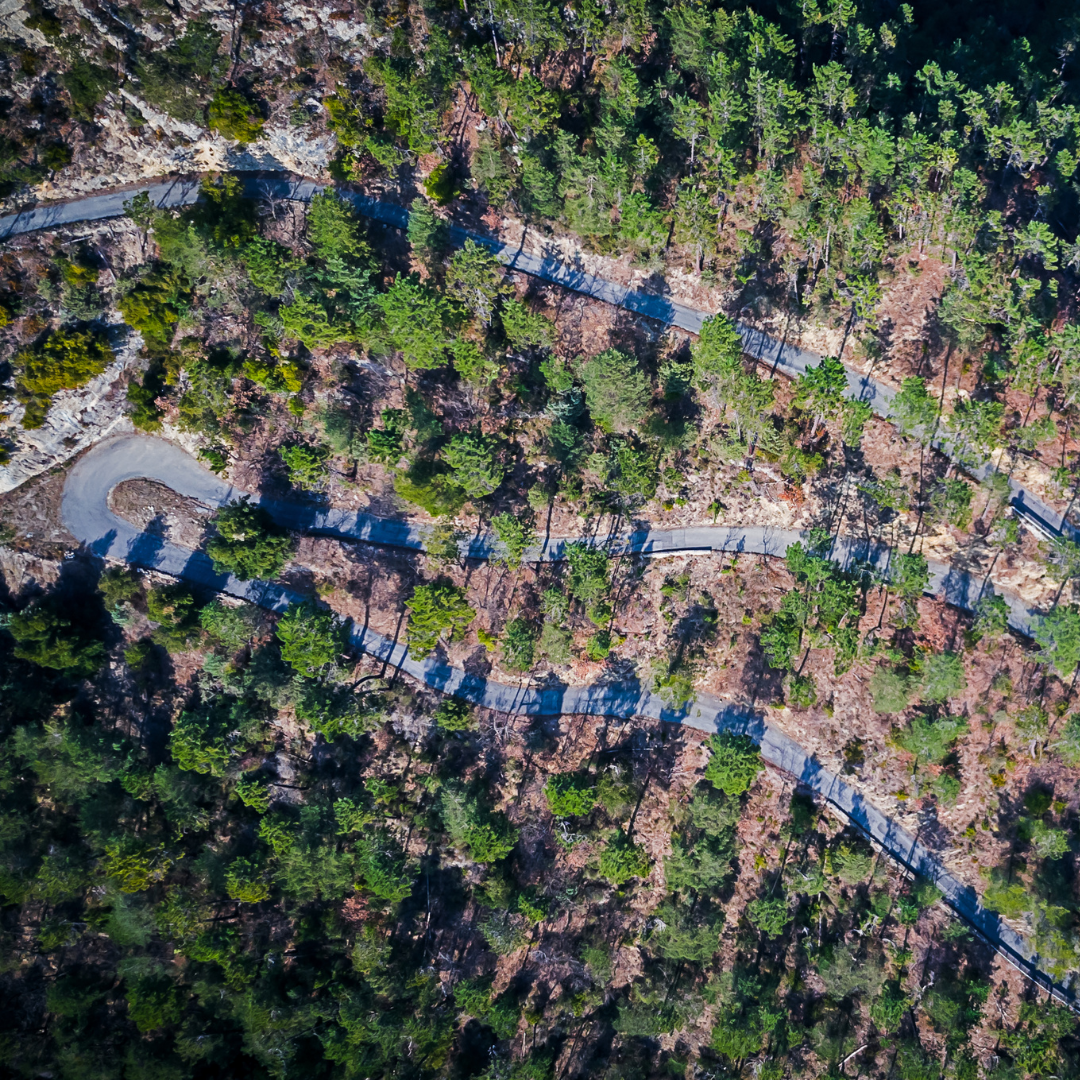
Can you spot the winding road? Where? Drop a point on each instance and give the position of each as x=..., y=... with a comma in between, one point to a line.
x=86, y=514
x=774, y=353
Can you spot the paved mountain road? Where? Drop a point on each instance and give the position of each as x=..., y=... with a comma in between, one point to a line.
x=776, y=354
x=87, y=515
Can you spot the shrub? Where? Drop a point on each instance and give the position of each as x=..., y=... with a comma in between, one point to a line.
x=428, y=234
x=253, y=794
x=475, y=277
x=616, y=390
x=674, y=681
x=248, y=544
x=570, y=794
x=429, y=485
x=598, y=647
x=930, y=740
x=888, y=1009
x=769, y=916
x=66, y=360
x=306, y=465
x=154, y=305
x=309, y=321
x=199, y=742
x=87, y=84
x=417, y=322
x=176, y=78
x=473, y=460
x=437, y=611
x=1059, y=635
x=516, y=533
x=453, y=714
x=555, y=643
x=734, y=763
x=519, y=644
x=802, y=691
x=49, y=639
x=524, y=329
x=173, y=607
x=229, y=627
x=941, y=676
x=890, y=690
x=383, y=868
x=490, y=839
x=244, y=881
x=154, y=1002
x=386, y=444
x=269, y=265
x=622, y=859
x=588, y=571
x=335, y=230
x=234, y=115
x=311, y=638
x=119, y=585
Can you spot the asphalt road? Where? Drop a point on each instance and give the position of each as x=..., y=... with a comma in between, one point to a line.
x=774, y=353
x=87, y=516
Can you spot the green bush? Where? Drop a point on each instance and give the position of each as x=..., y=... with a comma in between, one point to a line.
x=474, y=465
x=429, y=485
x=516, y=533
x=519, y=644
x=941, y=676
x=490, y=839
x=87, y=83
x=173, y=607
x=802, y=691
x=1058, y=633
x=45, y=636
x=336, y=231
x=769, y=916
x=269, y=265
x=155, y=304
x=555, y=643
x=417, y=322
x=734, y=763
x=311, y=638
x=598, y=647
x=616, y=390
x=570, y=794
x=247, y=543
x=65, y=360
x=229, y=627
x=234, y=115
x=384, y=869
x=589, y=567
x=890, y=690
x=453, y=714
x=119, y=585
x=177, y=78
x=199, y=742
x=437, y=612
x=246, y=882
x=386, y=444
x=622, y=859
x=307, y=466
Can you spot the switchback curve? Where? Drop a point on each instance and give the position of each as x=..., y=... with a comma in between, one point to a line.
x=777, y=354
x=87, y=516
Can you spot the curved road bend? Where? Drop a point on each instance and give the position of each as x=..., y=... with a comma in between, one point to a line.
x=87, y=515
x=777, y=354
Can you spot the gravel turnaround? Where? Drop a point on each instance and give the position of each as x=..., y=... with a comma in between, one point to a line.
x=87, y=516
x=775, y=353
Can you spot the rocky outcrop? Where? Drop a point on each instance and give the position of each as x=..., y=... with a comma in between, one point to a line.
x=77, y=419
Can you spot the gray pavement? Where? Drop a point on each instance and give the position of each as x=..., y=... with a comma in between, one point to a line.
x=86, y=514
x=774, y=353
